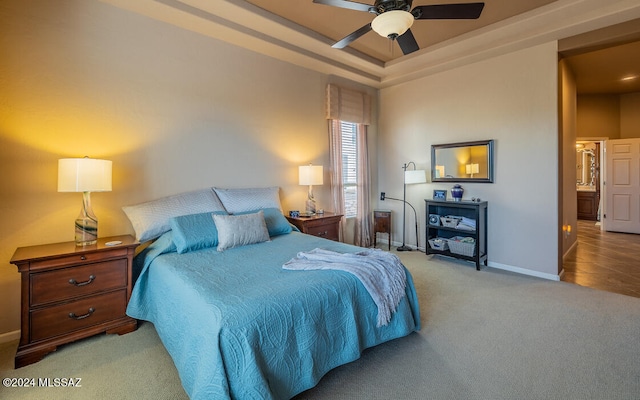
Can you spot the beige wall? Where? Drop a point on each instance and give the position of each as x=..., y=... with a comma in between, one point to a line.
x=512, y=99
x=598, y=116
x=630, y=115
x=173, y=110
x=610, y=116
x=569, y=200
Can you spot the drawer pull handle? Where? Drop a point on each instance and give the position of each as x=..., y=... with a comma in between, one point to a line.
x=83, y=258
x=323, y=233
x=77, y=317
x=74, y=282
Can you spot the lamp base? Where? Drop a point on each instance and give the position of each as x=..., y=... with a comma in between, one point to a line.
x=404, y=248
x=86, y=231
x=86, y=223
x=310, y=206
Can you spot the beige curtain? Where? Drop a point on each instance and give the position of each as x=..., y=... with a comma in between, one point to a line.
x=335, y=159
x=362, y=234
x=350, y=106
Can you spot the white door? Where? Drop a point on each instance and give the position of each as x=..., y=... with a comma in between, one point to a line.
x=622, y=186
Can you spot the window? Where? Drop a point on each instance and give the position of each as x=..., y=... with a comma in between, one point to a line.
x=349, y=168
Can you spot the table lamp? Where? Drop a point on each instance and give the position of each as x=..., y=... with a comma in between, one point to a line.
x=84, y=175
x=310, y=175
x=472, y=169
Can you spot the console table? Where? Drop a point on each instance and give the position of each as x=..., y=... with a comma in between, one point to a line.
x=477, y=211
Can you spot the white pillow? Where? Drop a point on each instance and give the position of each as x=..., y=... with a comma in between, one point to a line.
x=240, y=200
x=240, y=230
x=151, y=219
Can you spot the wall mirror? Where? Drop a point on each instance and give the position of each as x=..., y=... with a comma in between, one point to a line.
x=587, y=165
x=462, y=162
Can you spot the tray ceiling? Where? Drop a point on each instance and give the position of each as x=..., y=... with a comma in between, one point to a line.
x=301, y=32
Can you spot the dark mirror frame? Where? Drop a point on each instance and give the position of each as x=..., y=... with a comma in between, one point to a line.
x=489, y=161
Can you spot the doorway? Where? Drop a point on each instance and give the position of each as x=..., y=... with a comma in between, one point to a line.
x=604, y=260
x=588, y=173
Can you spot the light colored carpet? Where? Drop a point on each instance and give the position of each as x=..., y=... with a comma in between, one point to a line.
x=486, y=335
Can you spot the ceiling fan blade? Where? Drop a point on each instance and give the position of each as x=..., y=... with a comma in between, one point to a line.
x=407, y=42
x=449, y=11
x=351, y=37
x=351, y=5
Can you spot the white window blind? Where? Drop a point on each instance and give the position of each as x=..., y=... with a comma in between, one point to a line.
x=349, y=168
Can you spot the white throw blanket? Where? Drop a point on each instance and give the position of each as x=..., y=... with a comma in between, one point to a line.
x=381, y=273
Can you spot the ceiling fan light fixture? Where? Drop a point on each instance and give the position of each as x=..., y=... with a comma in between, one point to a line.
x=392, y=24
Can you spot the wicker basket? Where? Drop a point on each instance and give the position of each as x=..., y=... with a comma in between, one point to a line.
x=439, y=244
x=450, y=221
x=463, y=248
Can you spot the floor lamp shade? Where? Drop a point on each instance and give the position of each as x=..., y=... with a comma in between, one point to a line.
x=415, y=176
x=310, y=175
x=85, y=175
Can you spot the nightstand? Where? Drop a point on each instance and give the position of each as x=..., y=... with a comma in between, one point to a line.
x=71, y=292
x=325, y=225
x=382, y=224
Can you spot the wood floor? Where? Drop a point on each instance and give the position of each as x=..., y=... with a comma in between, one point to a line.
x=608, y=261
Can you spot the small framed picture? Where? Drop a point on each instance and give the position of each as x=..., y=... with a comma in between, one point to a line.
x=440, y=195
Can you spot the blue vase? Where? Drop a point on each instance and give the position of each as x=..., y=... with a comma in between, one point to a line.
x=456, y=192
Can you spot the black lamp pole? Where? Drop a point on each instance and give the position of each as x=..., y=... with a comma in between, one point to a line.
x=404, y=247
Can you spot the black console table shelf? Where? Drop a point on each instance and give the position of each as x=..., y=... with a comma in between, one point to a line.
x=476, y=211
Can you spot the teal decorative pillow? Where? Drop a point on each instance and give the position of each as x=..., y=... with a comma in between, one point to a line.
x=277, y=224
x=194, y=231
x=240, y=230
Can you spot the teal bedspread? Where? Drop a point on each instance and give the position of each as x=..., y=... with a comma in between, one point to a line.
x=238, y=325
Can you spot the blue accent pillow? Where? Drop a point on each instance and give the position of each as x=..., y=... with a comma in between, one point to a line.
x=194, y=231
x=277, y=224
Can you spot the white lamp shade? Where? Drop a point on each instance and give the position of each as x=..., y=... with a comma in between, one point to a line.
x=415, y=176
x=310, y=175
x=84, y=175
x=392, y=23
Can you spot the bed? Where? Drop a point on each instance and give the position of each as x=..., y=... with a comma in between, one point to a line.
x=239, y=325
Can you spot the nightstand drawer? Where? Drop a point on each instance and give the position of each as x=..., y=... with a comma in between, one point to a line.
x=68, y=283
x=328, y=231
x=68, y=317
x=80, y=258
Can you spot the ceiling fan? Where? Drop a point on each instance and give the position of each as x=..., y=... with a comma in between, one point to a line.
x=393, y=18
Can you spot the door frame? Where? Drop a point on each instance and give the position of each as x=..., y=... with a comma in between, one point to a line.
x=601, y=171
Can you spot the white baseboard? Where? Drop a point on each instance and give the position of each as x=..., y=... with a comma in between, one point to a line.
x=569, y=250
x=511, y=268
x=9, y=336
x=524, y=271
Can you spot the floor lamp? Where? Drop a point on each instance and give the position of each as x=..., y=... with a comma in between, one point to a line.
x=410, y=177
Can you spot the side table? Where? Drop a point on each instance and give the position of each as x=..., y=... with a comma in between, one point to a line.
x=381, y=224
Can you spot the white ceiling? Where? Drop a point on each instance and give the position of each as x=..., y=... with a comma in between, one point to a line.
x=302, y=32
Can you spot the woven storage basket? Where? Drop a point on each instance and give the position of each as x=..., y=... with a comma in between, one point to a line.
x=449, y=221
x=462, y=248
x=439, y=244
